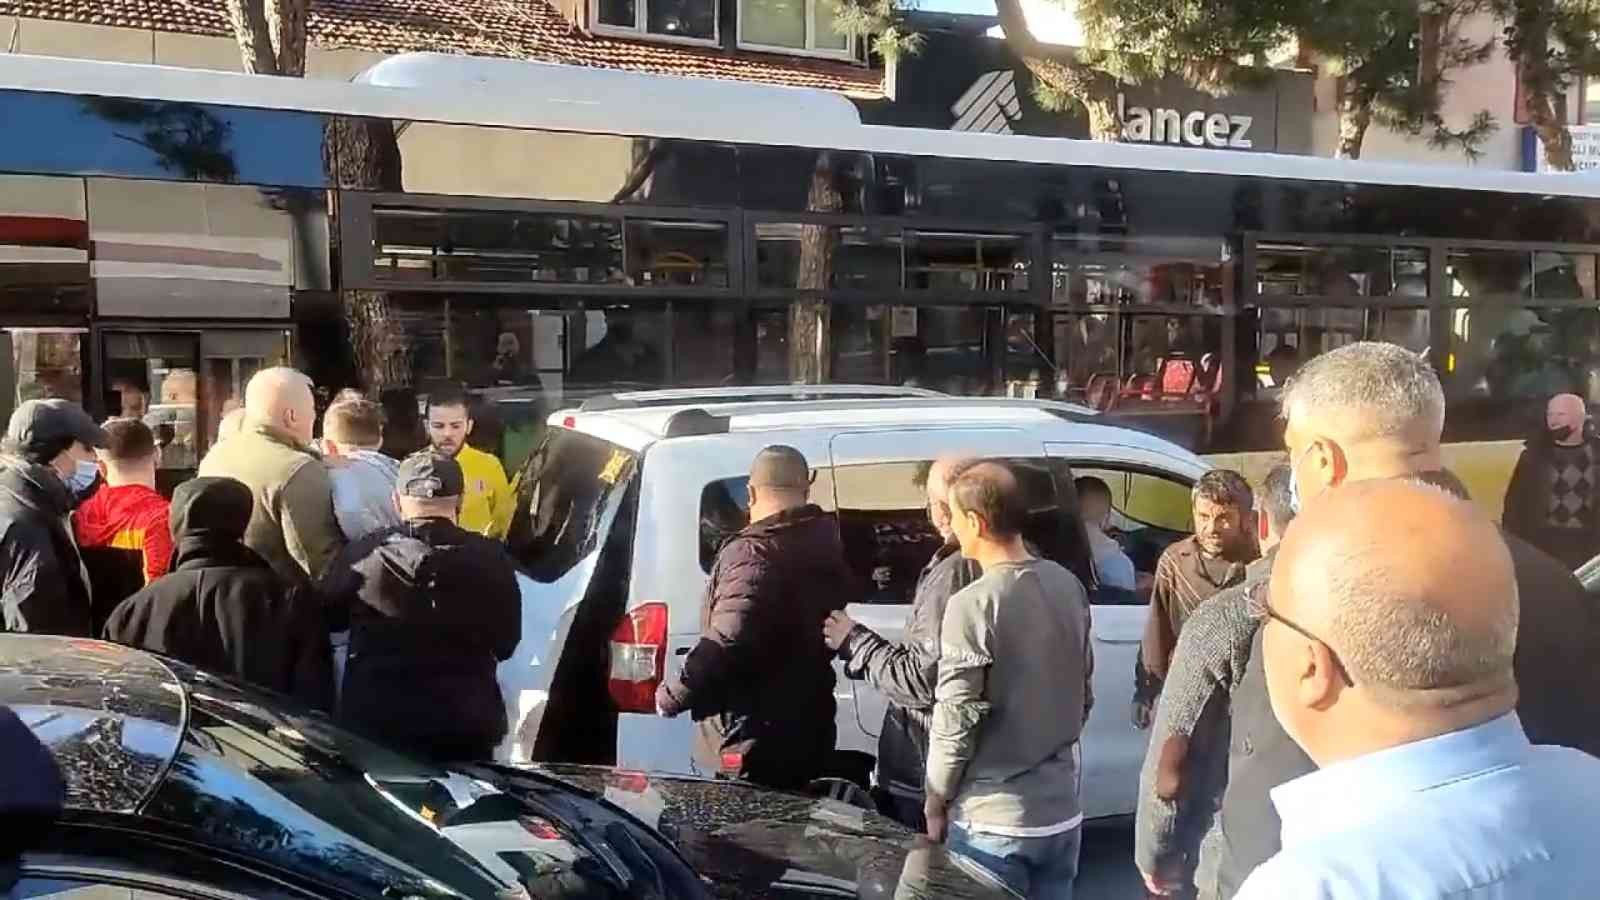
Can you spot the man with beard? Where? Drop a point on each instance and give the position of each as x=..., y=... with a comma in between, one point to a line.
x=1553, y=500
x=487, y=506
x=1192, y=571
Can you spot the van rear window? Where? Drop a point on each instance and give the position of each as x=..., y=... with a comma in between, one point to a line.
x=565, y=494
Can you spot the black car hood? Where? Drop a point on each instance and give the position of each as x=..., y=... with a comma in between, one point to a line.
x=755, y=843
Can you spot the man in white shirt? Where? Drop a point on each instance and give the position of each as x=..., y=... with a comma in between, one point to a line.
x=1111, y=565
x=1388, y=637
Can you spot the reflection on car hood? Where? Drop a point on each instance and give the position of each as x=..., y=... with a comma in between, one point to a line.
x=754, y=843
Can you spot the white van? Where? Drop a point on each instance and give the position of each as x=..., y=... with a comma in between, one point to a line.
x=625, y=502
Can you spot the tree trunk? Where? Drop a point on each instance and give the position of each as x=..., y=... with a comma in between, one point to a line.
x=286, y=29
x=1541, y=91
x=364, y=155
x=250, y=29
x=1355, y=117
x=809, y=322
x=1430, y=37
x=1094, y=89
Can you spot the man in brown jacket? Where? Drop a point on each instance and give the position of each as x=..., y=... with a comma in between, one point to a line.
x=1192, y=571
x=759, y=683
x=292, y=526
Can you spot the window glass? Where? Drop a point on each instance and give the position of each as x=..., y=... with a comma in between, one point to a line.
x=228, y=361
x=618, y=13
x=774, y=23
x=1149, y=512
x=677, y=253
x=966, y=262
x=1176, y=271
x=1541, y=274
x=160, y=373
x=820, y=257
x=725, y=509
x=682, y=18
x=937, y=347
x=75, y=134
x=434, y=245
x=43, y=364
x=826, y=36
x=1504, y=362
x=563, y=494
x=1315, y=270
x=860, y=344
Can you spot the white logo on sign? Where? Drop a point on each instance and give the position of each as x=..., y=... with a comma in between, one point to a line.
x=1171, y=126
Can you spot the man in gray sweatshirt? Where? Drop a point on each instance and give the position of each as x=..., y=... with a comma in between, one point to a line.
x=1012, y=697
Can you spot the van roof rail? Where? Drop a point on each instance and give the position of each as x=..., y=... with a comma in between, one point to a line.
x=778, y=393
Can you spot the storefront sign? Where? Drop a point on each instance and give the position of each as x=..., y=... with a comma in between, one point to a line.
x=1197, y=128
x=1585, y=149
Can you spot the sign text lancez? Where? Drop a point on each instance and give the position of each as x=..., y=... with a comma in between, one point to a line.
x=1171, y=126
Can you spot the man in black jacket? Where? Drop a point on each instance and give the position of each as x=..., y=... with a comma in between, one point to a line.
x=433, y=610
x=222, y=608
x=1370, y=410
x=47, y=464
x=760, y=681
x=907, y=672
x=1553, y=498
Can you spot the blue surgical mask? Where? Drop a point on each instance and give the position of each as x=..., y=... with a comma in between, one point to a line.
x=83, y=476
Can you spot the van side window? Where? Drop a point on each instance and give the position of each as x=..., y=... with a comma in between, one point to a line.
x=725, y=510
x=563, y=494
x=883, y=522
x=1149, y=512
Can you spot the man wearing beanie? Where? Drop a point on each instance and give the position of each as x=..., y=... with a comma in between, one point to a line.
x=47, y=464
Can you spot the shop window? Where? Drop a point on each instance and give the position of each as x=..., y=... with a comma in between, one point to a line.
x=693, y=20
x=818, y=257
x=1150, y=271
x=665, y=253
x=1505, y=362
x=966, y=262
x=938, y=347
x=859, y=341
x=1330, y=271
x=793, y=25
x=1534, y=274
x=557, y=248
x=156, y=376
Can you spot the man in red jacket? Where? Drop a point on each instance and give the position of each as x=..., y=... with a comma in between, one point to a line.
x=122, y=528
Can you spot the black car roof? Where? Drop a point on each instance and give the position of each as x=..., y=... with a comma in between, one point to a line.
x=111, y=716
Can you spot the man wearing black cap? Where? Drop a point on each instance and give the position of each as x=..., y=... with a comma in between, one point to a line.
x=433, y=609
x=47, y=465
x=759, y=683
x=222, y=607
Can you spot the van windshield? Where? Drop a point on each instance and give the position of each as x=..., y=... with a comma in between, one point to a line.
x=565, y=495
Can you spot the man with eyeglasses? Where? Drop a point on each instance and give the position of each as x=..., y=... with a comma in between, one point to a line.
x=1370, y=411
x=1400, y=686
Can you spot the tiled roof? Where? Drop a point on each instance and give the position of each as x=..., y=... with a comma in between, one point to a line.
x=527, y=29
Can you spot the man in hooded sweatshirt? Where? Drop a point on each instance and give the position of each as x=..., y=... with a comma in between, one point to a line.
x=222, y=608
x=47, y=465
x=434, y=609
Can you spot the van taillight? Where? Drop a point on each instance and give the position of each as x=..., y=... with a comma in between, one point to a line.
x=639, y=658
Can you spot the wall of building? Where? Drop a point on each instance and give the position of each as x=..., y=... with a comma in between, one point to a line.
x=74, y=40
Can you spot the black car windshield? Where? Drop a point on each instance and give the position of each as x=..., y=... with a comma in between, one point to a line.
x=111, y=717
x=292, y=787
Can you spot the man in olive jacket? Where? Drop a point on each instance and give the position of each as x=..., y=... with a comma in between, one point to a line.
x=292, y=526
x=759, y=683
x=907, y=672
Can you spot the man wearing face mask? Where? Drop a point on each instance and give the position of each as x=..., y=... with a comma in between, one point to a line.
x=47, y=466
x=1371, y=411
x=1553, y=500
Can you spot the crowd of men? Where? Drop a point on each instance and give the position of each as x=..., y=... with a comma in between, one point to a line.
x=1357, y=685
x=318, y=568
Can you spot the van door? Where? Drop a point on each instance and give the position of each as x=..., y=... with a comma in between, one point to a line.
x=1150, y=505
x=879, y=496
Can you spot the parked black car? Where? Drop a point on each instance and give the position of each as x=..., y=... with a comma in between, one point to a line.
x=182, y=784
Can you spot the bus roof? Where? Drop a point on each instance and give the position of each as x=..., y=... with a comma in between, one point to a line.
x=448, y=89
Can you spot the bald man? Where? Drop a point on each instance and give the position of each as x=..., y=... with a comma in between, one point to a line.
x=1399, y=685
x=292, y=526
x=759, y=683
x=1553, y=499
x=907, y=672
